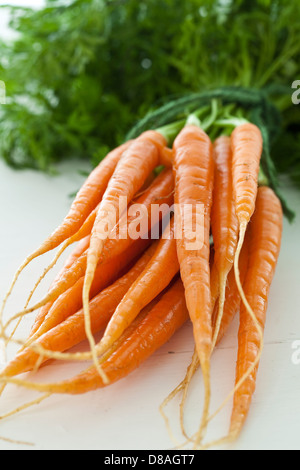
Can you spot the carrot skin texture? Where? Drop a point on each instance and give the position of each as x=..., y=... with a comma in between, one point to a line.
x=224, y=220
x=166, y=317
x=75, y=255
x=86, y=229
x=160, y=192
x=136, y=164
x=71, y=300
x=231, y=308
x=264, y=250
x=167, y=157
x=115, y=246
x=82, y=246
x=233, y=299
x=156, y=276
x=86, y=200
x=247, y=147
x=71, y=331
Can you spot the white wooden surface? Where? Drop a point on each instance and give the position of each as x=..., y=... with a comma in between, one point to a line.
x=125, y=416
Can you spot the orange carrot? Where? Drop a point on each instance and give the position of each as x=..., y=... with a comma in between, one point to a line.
x=160, y=192
x=140, y=159
x=85, y=230
x=194, y=171
x=265, y=243
x=87, y=227
x=247, y=147
x=157, y=275
x=71, y=331
x=80, y=249
x=45, y=310
x=75, y=255
x=231, y=308
x=264, y=249
x=160, y=195
x=232, y=299
x=86, y=200
x=214, y=279
x=215, y=285
x=139, y=342
x=83, y=234
x=166, y=157
x=82, y=246
x=224, y=222
x=71, y=300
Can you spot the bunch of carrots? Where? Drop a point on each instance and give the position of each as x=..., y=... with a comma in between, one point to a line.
x=138, y=291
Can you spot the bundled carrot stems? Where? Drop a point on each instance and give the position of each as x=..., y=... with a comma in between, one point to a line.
x=137, y=274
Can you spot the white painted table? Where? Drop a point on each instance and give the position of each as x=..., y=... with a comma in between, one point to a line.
x=125, y=416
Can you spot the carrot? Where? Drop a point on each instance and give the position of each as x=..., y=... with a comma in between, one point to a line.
x=82, y=246
x=148, y=182
x=70, y=300
x=140, y=341
x=167, y=157
x=231, y=308
x=160, y=192
x=160, y=195
x=184, y=385
x=247, y=147
x=157, y=275
x=194, y=171
x=86, y=200
x=140, y=159
x=215, y=285
x=266, y=234
x=45, y=310
x=233, y=298
x=74, y=256
x=224, y=222
x=83, y=233
x=264, y=249
x=71, y=331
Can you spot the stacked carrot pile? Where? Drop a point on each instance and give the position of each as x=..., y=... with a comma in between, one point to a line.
x=139, y=291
